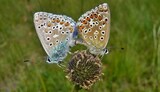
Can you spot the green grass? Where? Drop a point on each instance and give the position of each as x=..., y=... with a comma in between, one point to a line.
x=135, y=25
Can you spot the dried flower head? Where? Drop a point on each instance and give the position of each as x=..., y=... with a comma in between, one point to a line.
x=84, y=69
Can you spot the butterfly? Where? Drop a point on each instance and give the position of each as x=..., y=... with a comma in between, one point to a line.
x=94, y=28
x=56, y=34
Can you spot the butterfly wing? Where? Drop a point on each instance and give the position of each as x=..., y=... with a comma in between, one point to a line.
x=55, y=33
x=94, y=27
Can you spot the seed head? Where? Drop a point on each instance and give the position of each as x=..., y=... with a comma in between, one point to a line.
x=84, y=69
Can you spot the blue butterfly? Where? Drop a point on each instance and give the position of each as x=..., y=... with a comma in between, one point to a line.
x=56, y=33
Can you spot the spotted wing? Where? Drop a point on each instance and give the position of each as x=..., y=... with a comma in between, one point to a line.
x=52, y=30
x=94, y=26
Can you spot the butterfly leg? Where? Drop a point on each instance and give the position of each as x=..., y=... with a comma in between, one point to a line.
x=70, y=53
x=61, y=65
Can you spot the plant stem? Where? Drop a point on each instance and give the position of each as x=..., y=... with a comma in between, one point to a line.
x=76, y=88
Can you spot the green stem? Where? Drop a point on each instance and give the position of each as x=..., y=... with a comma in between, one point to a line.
x=76, y=88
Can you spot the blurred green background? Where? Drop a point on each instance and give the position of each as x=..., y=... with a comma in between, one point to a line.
x=135, y=26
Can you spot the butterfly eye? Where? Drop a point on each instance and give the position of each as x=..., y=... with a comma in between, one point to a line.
x=48, y=60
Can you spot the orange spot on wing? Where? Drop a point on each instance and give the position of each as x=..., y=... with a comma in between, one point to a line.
x=99, y=17
x=103, y=22
x=71, y=30
x=48, y=24
x=57, y=20
x=66, y=24
x=53, y=20
x=84, y=22
x=61, y=22
x=81, y=28
x=91, y=16
x=88, y=19
x=95, y=15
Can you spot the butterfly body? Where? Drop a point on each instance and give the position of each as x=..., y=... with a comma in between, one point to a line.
x=55, y=33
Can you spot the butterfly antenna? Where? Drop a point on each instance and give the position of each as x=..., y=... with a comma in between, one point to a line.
x=115, y=48
x=70, y=53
